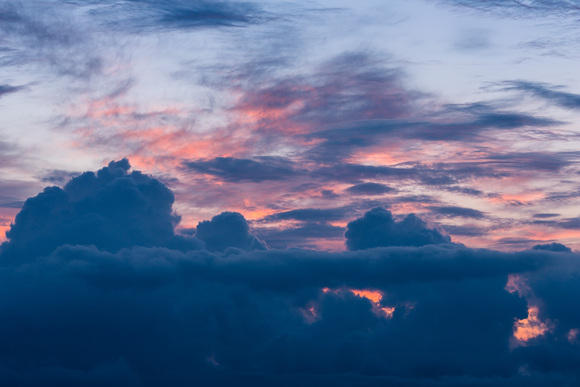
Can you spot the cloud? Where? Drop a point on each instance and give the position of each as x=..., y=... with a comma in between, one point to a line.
x=344, y=138
x=430, y=313
x=378, y=228
x=228, y=229
x=544, y=91
x=238, y=170
x=521, y=8
x=553, y=247
x=111, y=209
x=8, y=89
x=159, y=316
x=311, y=214
x=49, y=33
x=303, y=236
x=369, y=188
x=454, y=211
x=150, y=16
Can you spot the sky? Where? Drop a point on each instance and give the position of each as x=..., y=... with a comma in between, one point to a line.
x=289, y=192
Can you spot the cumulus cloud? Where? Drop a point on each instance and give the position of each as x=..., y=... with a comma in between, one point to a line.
x=111, y=209
x=149, y=313
x=228, y=229
x=377, y=228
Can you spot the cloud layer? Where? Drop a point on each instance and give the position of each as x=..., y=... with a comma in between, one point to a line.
x=128, y=308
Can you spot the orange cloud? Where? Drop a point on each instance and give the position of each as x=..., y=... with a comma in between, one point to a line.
x=530, y=327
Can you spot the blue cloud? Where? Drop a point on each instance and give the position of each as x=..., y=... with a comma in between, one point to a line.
x=369, y=188
x=544, y=91
x=111, y=209
x=377, y=228
x=553, y=247
x=152, y=313
x=238, y=170
x=228, y=229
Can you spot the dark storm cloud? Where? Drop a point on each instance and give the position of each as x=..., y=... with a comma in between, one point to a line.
x=111, y=209
x=369, y=189
x=157, y=316
x=8, y=89
x=228, y=229
x=377, y=228
x=238, y=170
x=546, y=92
x=454, y=211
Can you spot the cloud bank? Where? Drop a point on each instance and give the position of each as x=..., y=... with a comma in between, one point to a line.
x=96, y=291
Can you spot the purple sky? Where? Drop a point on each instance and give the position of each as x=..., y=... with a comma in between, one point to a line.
x=462, y=112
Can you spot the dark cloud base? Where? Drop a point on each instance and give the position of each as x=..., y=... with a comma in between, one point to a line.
x=219, y=309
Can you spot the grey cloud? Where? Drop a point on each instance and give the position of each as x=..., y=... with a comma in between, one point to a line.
x=545, y=215
x=369, y=188
x=49, y=33
x=8, y=89
x=167, y=315
x=311, y=214
x=238, y=170
x=544, y=91
x=466, y=230
x=377, y=228
x=228, y=229
x=343, y=139
x=301, y=236
x=139, y=16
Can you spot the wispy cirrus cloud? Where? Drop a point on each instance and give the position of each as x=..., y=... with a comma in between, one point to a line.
x=551, y=94
x=137, y=16
x=9, y=89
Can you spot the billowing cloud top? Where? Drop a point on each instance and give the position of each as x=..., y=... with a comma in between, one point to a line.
x=377, y=228
x=110, y=209
x=109, y=300
x=228, y=229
